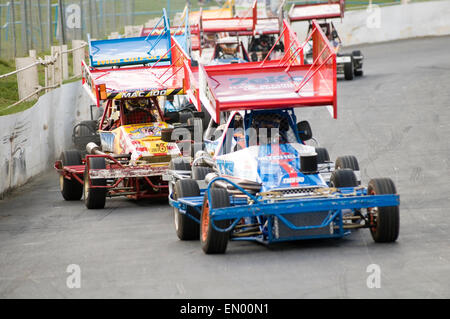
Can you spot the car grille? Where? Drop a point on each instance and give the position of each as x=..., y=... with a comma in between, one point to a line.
x=281, y=230
x=297, y=190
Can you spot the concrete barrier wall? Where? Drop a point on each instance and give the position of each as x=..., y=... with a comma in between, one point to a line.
x=30, y=141
x=380, y=24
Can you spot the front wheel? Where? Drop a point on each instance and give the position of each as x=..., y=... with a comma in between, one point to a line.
x=213, y=241
x=343, y=178
x=71, y=189
x=185, y=227
x=384, y=221
x=94, y=198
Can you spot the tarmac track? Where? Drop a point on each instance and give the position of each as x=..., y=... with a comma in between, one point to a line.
x=395, y=119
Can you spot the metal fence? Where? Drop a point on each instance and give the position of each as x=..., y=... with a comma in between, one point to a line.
x=36, y=24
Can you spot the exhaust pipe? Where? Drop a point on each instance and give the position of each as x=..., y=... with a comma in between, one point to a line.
x=93, y=149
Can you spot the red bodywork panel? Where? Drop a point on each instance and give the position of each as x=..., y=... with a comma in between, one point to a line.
x=236, y=24
x=304, y=12
x=264, y=26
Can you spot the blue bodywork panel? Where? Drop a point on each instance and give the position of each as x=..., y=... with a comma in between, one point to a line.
x=132, y=51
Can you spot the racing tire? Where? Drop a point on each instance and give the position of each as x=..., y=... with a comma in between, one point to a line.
x=348, y=161
x=88, y=128
x=95, y=198
x=195, y=147
x=349, y=70
x=180, y=164
x=343, y=178
x=322, y=155
x=185, y=116
x=199, y=172
x=213, y=241
x=385, y=221
x=197, y=123
x=166, y=135
x=185, y=227
x=358, y=53
x=71, y=189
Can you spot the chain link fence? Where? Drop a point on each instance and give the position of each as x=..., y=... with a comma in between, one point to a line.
x=36, y=24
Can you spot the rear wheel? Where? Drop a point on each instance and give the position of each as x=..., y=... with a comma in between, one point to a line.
x=95, y=198
x=357, y=53
x=322, y=155
x=199, y=172
x=186, y=228
x=71, y=189
x=87, y=128
x=180, y=164
x=385, y=221
x=195, y=147
x=197, y=123
x=213, y=241
x=348, y=161
x=349, y=69
x=343, y=178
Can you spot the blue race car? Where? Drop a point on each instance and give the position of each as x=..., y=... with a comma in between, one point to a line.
x=276, y=188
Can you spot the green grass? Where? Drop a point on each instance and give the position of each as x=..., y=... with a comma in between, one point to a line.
x=8, y=91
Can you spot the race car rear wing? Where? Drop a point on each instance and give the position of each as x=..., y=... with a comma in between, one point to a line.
x=133, y=51
x=233, y=24
x=138, y=82
x=268, y=25
x=181, y=33
x=225, y=12
x=283, y=83
x=321, y=10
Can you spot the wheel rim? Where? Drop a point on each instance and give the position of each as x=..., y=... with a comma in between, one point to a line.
x=175, y=214
x=205, y=221
x=86, y=188
x=175, y=210
x=61, y=182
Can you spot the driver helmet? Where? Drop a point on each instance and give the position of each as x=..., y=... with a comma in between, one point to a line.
x=133, y=104
x=229, y=48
